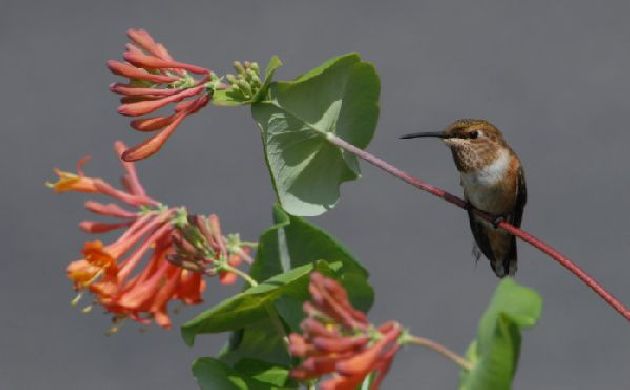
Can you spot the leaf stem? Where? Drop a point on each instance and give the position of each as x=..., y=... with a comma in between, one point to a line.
x=439, y=348
x=564, y=261
x=249, y=244
x=228, y=268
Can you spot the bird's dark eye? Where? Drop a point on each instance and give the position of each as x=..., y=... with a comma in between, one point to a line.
x=473, y=134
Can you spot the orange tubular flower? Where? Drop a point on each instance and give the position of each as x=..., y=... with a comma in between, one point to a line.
x=133, y=276
x=338, y=340
x=69, y=181
x=155, y=81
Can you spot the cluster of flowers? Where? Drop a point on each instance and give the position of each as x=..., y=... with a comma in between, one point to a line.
x=201, y=247
x=134, y=277
x=155, y=81
x=339, y=341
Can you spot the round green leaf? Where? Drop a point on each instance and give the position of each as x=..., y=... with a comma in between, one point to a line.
x=339, y=97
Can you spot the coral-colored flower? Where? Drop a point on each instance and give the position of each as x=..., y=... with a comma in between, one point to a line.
x=338, y=340
x=133, y=276
x=69, y=181
x=155, y=81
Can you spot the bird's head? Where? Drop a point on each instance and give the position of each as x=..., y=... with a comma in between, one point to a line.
x=472, y=141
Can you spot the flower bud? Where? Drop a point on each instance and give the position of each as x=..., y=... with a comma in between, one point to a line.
x=238, y=66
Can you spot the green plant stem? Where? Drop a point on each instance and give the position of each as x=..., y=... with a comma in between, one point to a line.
x=564, y=261
x=228, y=268
x=249, y=244
x=439, y=348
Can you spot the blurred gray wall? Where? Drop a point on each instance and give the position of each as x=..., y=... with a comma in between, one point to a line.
x=552, y=75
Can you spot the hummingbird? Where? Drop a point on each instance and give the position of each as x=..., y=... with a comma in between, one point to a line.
x=493, y=181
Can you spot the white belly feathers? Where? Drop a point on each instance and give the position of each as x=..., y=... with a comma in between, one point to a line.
x=481, y=185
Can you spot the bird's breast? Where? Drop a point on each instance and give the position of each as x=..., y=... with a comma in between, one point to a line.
x=491, y=187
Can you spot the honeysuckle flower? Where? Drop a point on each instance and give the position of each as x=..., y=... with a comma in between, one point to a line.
x=79, y=182
x=338, y=342
x=155, y=81
x=132, y=277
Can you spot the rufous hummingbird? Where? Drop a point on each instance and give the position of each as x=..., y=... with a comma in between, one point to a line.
x=493, y=180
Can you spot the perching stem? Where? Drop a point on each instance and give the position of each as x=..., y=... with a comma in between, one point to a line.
x=457, y=201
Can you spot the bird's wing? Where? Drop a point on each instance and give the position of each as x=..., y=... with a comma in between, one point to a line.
x=480, y=233
x=521, y=198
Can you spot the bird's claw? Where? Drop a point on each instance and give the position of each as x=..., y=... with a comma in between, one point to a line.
x=497, y=220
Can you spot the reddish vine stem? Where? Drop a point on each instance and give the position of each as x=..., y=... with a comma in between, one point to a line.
x=564, y=261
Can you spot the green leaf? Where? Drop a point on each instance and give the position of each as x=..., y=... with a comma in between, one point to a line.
x=273, y=65
x=339, y=97
x=231, y=97
x=249, y=306
x=263, y=372
x=227, y=98
x=293, y=242
x=213, y=374
x=254, y=303
x=260, y=340
x=291, y=311
x=495, y=351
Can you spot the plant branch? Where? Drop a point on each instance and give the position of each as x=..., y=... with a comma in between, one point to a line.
x=439, y=348
x=564, y=261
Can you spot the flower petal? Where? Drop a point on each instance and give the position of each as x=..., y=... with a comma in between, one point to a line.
x=129, y=90
x=152, y=62
x=100, y=227
x=190, y=287
x=133, y=73
x=143, y=39
x=227, y=278
x=298, y=345
x=312, y=327
x=340, y=344
x=147, y=106
x=110, y=209
x=154, y=144
x=152, y=124
x=130, y=179
x=339, y=382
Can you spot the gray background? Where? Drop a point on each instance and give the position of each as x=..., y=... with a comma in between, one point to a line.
x=552, y=75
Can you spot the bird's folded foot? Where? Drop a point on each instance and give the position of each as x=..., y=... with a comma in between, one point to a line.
x=497, y=220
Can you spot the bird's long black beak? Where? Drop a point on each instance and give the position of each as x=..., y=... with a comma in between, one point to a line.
x=424, y=134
